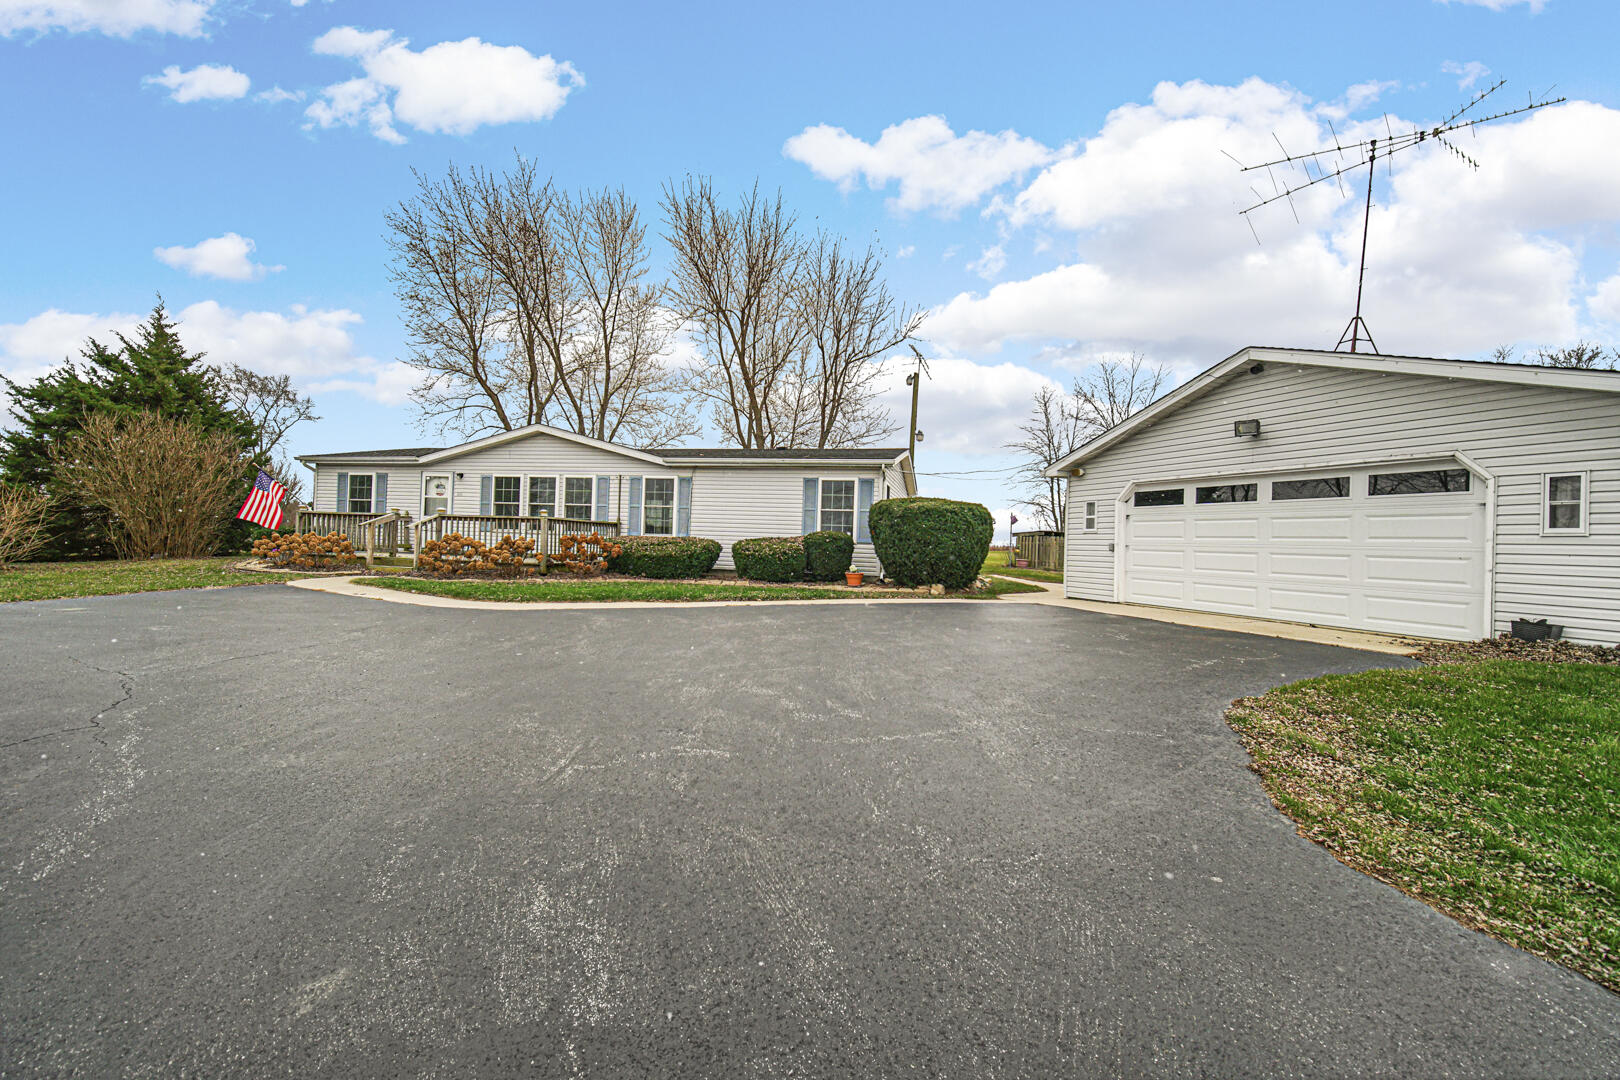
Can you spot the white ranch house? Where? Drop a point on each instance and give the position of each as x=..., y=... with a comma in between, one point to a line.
x=508, y=482
x=1407, y=495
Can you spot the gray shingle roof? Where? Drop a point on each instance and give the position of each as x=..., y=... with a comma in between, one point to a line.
x=408, y=452
x=864, y=453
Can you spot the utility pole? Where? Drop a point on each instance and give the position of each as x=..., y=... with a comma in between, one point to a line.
x=914, y=380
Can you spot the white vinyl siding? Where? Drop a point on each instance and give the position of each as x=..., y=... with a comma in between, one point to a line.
x=737, y=503
x=1315, y=417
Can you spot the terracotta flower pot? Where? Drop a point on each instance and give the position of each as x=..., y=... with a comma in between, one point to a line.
x=853, y=579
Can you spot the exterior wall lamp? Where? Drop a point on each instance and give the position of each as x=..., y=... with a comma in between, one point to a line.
x=1242, y=428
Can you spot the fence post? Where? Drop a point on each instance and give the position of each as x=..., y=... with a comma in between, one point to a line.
x=545, y=542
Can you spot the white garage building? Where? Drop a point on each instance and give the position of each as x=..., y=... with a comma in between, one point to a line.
x=1405, y=495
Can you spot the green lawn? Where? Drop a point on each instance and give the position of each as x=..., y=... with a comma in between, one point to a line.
x=1488, y=789
x=48, y=581
x=997, y=563
x=552, y=591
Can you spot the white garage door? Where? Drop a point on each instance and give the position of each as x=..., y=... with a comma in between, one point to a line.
x=1396, y=550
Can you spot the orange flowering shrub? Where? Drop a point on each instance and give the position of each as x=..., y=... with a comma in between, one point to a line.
x=587, y=555
x=305, y=551
x=462, y=556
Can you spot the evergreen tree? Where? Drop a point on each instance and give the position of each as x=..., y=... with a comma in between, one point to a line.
x=151, y=373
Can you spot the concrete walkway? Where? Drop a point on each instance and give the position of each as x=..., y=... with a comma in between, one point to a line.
x=1051, y=595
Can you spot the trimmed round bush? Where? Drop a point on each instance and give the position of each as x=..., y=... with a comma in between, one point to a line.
x=769, y=558
x=827, y=555
x=931, y=541
x=665, y=556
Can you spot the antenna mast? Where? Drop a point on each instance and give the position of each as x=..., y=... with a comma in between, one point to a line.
x=1366, y=156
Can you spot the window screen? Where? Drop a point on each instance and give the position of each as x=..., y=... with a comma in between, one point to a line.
x=838, y=506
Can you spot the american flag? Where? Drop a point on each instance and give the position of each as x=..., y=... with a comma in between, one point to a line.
x=263, y=506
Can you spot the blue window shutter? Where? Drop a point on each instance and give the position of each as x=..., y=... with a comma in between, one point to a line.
x=863, y=511
x=343, y=493
x=683, y=506
x=635, y=506
x=812, y=494
x=486, y=495
x=603, y=491
x=379, y=494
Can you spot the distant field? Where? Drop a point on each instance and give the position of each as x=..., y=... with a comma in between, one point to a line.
x=997, y=563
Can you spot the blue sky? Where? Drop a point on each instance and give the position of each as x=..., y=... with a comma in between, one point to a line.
x=1047, y=179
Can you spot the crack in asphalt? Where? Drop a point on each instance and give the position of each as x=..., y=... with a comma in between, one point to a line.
x=126, y=684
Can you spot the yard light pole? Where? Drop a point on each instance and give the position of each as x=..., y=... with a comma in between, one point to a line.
x=914, y=380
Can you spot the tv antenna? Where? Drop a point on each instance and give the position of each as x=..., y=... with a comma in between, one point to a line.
x=1365, y=154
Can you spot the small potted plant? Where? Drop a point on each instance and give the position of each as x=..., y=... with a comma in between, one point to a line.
x=853, y=576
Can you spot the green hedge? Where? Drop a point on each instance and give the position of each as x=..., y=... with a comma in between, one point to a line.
x=665, y=556
x=770, y=558
x=931, y=541
x=827, y=555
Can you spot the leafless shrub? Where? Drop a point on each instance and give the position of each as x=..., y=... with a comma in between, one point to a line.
x=168, y=487
x=462, y=556
x=23, y=517
x=305, y=551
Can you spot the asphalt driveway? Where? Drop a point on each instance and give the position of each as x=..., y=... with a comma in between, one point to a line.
x=268, y=832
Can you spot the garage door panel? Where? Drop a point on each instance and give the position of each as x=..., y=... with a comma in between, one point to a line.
x=1396, y=564
x=1292, y=526
x=1145, y=527
x=1423, y=525
x=1313, y=565
x=1159, y=559
x=1457, y=572
x=1223, y=527
x=1207, y=561
x=1229, y=597
x=1306, y=605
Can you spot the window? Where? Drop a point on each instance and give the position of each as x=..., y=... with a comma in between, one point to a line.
x=1229, y=493
x=1328, y=487
x=658, y=506
x=838, y=506
x=1091, y=517
x=1161, y=497
x=577, y=497
x=1565, y=495
x=360, y=493
x=542, y=496
x=1429, y=482
x=508, y=493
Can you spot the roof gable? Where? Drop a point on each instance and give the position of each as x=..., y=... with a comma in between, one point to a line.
x=1211, y=378
x=501, y=438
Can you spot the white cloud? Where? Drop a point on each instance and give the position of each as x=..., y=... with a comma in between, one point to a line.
x=205, y=82
x=118, y=18
x=1499, y=5
x=228, y=257
x=965, y=407
x=454, y=87
x=276, y=95
x=934, y=167
x=316, y=347
x=1604, y=303
x=1467, y=74
x=991, y=262
x=1459, y=261
x=906, y=252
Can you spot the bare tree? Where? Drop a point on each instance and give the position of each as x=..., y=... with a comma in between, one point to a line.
x=1052, y=432
x=790, y=331
x=851, y=319
x=1106, y=394
x=24, y=516
x=275, y=408
x=526, y=305
x=1583, y=355
x=1111, y=391
x=168, y=486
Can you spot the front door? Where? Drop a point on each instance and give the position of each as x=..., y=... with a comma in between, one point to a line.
x=435, y=495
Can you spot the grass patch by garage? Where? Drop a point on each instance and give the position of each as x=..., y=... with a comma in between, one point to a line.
x=666, y=591
x=1488, y=789
x=51, y=581
x=997, y=562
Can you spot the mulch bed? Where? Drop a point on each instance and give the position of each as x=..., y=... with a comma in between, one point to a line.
x=1504, y=648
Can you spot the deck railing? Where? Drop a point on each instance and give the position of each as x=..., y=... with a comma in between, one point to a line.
x=544, y=530
x=329, y=521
